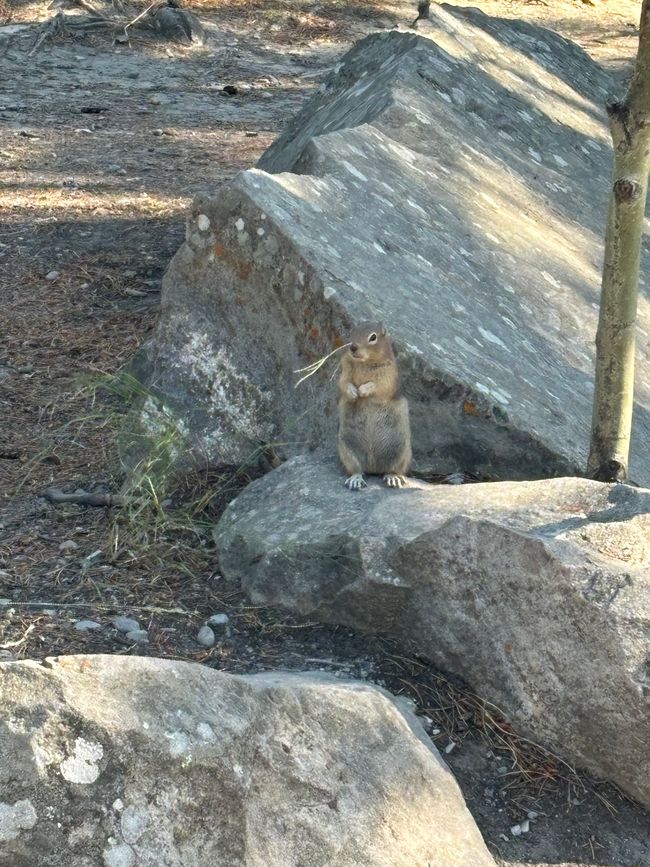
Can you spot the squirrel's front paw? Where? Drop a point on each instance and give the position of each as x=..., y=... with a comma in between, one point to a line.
x=352, y=391
x=394, y=480
x=366, y=388
x=356, y=482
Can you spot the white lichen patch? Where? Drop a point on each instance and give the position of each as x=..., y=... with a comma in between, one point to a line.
x=205, y=732
x=234, y=396
x=121, y=855
x=81, y=767
x=134, y=823
x=15, y=818
x=179, y=743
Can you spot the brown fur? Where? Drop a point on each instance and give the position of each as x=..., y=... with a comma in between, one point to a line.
x=374, y=429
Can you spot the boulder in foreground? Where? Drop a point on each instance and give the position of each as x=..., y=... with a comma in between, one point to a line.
x=536, y=593
x=120, y=761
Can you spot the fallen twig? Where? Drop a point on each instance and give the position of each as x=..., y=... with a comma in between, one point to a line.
x=56, y=495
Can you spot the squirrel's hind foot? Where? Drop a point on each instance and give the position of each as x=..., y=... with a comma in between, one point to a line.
x=393, y=480
x=355, y=482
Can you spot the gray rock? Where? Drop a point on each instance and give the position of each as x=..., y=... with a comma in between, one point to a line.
x=87, y=625
x=291, y=770
x=68, y=546
x=219, y=620
x=465, y=209
x=139, y=636
x=52, y=275
x=125, y=624
x=205, y=636
x=536, y=593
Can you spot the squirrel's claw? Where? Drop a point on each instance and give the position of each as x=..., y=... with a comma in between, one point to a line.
x=393, y=480
x=355, y=482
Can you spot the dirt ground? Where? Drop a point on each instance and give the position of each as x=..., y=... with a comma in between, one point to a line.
x=102, y=147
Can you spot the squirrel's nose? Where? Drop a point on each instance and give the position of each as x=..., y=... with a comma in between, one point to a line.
x=353, y=347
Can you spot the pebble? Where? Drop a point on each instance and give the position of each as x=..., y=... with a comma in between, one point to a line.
x=52, y=275
x=68, y=545
x=205, y=636
x=140, y=636
x=126, y=624
x=518, y=830
x=450, y=746
x=219, y=620
x=87, y=625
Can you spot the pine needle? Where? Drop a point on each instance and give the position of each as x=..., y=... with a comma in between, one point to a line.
x=311, y=369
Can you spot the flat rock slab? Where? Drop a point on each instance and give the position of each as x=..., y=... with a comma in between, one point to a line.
x=536, y=593
x=453, y=184
x=120, y=761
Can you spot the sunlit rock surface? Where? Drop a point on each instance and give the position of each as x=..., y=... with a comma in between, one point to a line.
x=452, y=182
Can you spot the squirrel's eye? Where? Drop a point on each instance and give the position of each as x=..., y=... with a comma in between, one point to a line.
x=372, y=338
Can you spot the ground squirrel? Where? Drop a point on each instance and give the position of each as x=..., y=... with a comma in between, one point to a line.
x=374, y=429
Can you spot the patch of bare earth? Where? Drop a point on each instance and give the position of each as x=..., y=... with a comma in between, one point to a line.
x=102, y=147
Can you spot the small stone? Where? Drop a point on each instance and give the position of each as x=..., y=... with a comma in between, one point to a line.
x=68, y=545
x=218, y=620
x=158, y=132
x=52, y=275
x=125, y=624
x=87, y=625
x=532, y=814
x=205, y=636
x=140, y=636
x=450, y=746
x=203, y=222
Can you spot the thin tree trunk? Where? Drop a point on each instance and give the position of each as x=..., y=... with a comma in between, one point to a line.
x=616, y=336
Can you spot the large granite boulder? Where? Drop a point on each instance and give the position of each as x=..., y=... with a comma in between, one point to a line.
x=121, y=762
x=536, y=593
x=453, y=184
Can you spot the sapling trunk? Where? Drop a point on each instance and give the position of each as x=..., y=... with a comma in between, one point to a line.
x=616, y=336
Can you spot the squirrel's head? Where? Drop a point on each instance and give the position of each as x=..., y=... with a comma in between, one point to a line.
x=370, y=342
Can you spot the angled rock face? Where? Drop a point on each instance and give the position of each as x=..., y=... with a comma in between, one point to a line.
x=455, y=187
x=120, y=762
x=536, y=593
